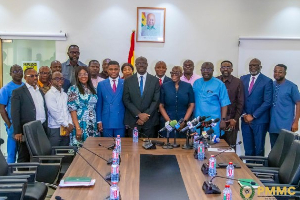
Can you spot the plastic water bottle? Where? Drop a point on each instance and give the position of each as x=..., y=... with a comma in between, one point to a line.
x=135, y=135
x=118, y=144
x=229, y=173
x=201, y=151
x=114, y=192
x=227, y=194
x=115, y=156
x=196, y=143
x=114, y=174
x=212, y=170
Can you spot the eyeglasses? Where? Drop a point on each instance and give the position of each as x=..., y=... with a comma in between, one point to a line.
x=225, y=67
x=44, y=73
x=207, y=70
x=83, y=75
x=17, y=72
x=74, y=52
x=32, y=75
x=174, y=73
x=59, y=79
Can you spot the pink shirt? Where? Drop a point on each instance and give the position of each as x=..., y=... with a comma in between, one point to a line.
x=95, y=81
x=193, y=78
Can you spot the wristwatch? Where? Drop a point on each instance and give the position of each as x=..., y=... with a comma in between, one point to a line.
x=223, y=119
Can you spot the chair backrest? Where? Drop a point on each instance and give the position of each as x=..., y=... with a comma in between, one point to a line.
x=281, y=148
x=36, y=139
x=3, y=165
x=289, y=171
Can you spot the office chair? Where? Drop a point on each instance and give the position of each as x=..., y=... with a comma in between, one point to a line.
x=41, y=151
x=277, y=154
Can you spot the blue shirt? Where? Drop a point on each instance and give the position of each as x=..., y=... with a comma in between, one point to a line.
x=210, y=97
x=285, y=96
x=176, y=102
x=5, y=94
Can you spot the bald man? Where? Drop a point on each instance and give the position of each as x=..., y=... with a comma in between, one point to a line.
x=160, y=72
x=56, y=67
x=150, y=29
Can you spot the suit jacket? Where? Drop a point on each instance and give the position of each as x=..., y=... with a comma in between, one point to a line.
x=167, y=79
x=66, y=85
x=110, y=108
x=135, y=103
x=23, y=108
x=259, y=101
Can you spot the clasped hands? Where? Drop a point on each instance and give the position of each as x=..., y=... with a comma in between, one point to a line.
x=143, y=118
x=248, y=118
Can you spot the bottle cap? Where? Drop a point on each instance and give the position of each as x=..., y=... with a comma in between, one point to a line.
x=201, y=142
x=230, y=163
x=118, y=135
x=212, y=156
x=227, y=186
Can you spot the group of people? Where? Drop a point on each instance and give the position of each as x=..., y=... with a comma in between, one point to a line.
x=74, y=101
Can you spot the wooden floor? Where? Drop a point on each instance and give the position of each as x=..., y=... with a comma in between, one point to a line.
x=130, y=169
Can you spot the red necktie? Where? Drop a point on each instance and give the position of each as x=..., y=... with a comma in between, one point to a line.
x=160, y=82
x=114, y=86
x=251, y=85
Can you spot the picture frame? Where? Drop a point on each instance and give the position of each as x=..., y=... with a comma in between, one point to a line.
x=151, y=24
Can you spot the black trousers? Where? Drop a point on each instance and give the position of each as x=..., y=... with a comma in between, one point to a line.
x=144, y=132
x=230, y=137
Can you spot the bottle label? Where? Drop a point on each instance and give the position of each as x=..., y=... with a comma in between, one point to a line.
x=115, y=154
x=114, y=169
x=212, y=164
x=114, y=193
x=230, y=172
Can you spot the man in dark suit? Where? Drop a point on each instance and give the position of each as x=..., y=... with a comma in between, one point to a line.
x=258, y=100
x=27, y=104
x=141, y=99
x=160, y=70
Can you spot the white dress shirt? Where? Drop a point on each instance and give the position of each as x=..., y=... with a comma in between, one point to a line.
x=144, y=79
x=162, y=78
x=256, y=76
x=38, y=102
x=58, y=112
x=112, y=82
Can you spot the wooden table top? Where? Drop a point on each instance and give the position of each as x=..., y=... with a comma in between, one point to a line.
x=130, y=169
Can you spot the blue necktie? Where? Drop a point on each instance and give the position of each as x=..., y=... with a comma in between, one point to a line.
x=141, y=85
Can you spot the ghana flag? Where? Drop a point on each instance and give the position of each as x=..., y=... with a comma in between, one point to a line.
x=131, y=50
x=144, y=20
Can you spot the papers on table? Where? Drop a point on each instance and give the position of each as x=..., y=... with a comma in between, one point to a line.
x=220, y=150
x=63, y=184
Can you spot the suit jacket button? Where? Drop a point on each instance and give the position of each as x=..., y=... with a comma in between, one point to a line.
x=34, y=109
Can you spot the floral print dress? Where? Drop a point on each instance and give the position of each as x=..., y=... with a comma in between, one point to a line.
x=85, y=106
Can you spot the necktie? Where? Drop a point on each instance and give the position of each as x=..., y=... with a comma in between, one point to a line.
x=251, y=85
x=141, y=85
x=114, y=86
x=160, y=82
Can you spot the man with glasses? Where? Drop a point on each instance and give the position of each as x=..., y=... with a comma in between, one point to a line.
x=256, y=113
x=69, y=67
x=56, y=67
x=211, y=98
x=27, y=104
x=188, y=72
x=141, y=99
x=235, y=91
x=44, y=79
x=16, y=73
x=60, y=121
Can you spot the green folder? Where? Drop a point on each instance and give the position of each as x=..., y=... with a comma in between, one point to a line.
x=247, y=182
x=73, y=179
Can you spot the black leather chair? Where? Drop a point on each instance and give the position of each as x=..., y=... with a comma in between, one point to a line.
x=57, y=158
x=287, y=175
x=11, y=180
x=276, y=155
x=12, y=188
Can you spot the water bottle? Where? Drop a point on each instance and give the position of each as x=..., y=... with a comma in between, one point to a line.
x=212, y=170
x=114, y=174
x=114, y=192
x=196, y=143
x=229, y=173
x=135, y=135
x=201, y=151
x=115, y=156
x=118, y=144
x=227, y=194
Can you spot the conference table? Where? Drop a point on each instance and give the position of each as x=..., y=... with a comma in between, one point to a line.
x=190, y=169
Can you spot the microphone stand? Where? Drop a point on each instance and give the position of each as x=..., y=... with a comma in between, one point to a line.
x=187, y=144
x=168, y=145
x=175, y=145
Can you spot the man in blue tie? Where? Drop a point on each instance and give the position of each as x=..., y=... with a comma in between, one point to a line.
x=110, y=108
x=141, y=99
x=255, y=118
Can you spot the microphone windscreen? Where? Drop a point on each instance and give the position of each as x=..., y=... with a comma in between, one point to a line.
x=210, y=131
x=216, y=120
x=173, y=123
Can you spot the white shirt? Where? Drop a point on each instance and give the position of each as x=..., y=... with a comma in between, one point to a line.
x=58, y=112
x=162, y=78
x=112, y=82
x=144, y=79
x=256, y=76
x=38, y=102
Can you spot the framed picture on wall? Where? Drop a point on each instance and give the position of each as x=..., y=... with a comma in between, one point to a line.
x=151, y=24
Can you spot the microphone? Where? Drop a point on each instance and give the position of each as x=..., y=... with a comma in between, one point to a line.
x=108, y=162
x=112, y=146
x=205, y=166
x=205, y=134
x=168, y=126
x=210, y=188
x=209, y=123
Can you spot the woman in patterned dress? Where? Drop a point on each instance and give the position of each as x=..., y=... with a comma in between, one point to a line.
x=82, y=101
